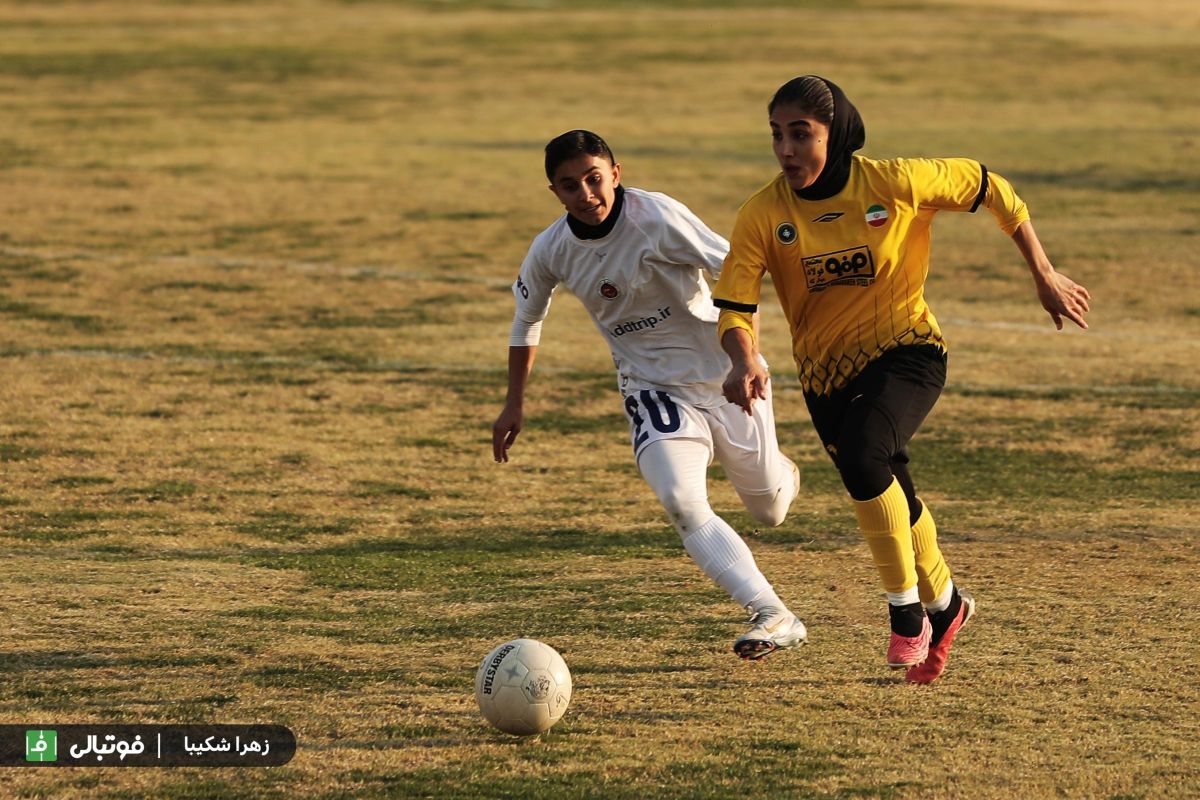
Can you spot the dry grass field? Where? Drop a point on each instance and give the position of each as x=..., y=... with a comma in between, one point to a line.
x=255, y=262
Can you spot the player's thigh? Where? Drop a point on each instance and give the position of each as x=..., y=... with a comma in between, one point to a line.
x=890, y=400
x=747, y=447
x=677, y=470
x=655, y=416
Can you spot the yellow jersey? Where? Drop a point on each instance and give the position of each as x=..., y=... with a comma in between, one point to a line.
x=850, y=270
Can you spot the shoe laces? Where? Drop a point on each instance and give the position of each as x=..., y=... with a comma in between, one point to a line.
x=762, y=614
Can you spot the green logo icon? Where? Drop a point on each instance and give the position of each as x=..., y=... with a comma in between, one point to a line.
x=41, y=745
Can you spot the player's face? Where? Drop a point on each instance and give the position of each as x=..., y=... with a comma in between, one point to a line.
x=801, y=143
x=587, y=187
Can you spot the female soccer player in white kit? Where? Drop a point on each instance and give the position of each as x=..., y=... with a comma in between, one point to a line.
x=635, y=260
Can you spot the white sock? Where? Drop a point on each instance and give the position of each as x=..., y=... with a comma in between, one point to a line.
x=726, y=559
x=907, y=597
x=943, y=600
x=766, y=599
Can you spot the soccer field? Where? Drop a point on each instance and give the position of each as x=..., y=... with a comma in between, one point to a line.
x=255, y=269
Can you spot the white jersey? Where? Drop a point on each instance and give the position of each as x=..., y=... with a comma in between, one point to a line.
x=643, y=286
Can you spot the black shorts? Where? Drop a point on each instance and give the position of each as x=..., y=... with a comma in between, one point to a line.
x=866, y=426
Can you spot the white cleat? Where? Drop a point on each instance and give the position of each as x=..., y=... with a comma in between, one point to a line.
x=772, y=628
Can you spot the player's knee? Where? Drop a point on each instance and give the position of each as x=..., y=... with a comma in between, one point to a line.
x=686, y=514
x=865, y=471
x=773, y=516
x=768, y=509
x=771, y=508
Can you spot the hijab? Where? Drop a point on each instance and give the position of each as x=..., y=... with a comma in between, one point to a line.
x=846, y=134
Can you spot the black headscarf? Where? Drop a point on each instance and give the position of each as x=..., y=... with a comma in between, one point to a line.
x=846, y=134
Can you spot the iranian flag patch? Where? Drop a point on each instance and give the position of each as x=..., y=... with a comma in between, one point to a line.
x=877, y=216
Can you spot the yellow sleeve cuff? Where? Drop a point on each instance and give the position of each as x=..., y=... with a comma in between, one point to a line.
x=735, y=319
x=1004, y=203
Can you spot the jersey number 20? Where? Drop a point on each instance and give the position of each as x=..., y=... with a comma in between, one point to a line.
x=653, y=410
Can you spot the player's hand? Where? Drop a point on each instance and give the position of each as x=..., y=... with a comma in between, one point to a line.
x=745, y=383
x=505, y=431
x=1063, y=297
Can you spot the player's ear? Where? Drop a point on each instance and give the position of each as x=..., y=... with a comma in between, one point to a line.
x=616, y=174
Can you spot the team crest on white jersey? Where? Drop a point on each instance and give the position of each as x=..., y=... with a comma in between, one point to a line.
x=608, y=290
x=785, y=232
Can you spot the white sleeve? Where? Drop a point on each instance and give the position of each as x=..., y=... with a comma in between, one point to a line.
x=532, y=291
x=524, y=334
x=687, y=240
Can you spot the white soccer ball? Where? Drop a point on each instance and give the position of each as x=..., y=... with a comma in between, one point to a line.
x=523, y=687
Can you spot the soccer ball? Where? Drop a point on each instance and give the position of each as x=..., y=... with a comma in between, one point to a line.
x=523, y=687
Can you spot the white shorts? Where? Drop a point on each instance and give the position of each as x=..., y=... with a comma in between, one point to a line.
x=745, y=445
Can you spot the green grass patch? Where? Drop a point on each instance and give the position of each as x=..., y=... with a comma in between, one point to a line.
x=160, y=491
x=77, y=481
x=566, y=424
x=12, y=451
x=952, y=465
x=423, y=442
x=285, y=526
x=80, y=323
x=386, y=489
x=60, y=526
x=215, y=287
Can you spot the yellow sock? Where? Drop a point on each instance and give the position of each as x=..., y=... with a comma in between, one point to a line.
x=933, y=574
x=884, y=522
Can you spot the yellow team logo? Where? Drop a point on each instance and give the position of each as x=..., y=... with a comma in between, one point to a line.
x=785, y=232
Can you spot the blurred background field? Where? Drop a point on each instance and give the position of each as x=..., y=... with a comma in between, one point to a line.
x=254, y=300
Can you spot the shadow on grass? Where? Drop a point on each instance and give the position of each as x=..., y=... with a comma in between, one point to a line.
x=75, y=660
x=640, y=669
x=506, y=540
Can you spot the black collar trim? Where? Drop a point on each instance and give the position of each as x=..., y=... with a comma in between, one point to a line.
x=584, y=231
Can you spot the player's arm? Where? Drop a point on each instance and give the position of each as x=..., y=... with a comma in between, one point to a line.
x=964, y=185
x=747, y=377
x=1059, y=295
x=737, y=294
x=531, y=291
x=512, y=417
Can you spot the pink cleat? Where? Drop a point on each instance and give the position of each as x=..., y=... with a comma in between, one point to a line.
x=909, y=651
x=939, y=652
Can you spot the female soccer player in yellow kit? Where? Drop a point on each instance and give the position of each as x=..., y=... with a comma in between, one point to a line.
x=846, y=242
